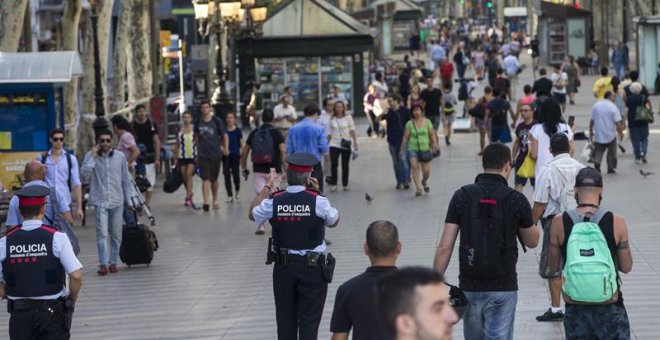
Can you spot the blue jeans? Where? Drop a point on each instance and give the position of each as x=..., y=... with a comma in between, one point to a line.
x=639, y=136
x=620, y=70
x=490, y=315
x=109, y=219
x=401, y=165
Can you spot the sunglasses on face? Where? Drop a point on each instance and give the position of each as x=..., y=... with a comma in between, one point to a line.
x=105, y=140
x=58, y=139
x=525, y=110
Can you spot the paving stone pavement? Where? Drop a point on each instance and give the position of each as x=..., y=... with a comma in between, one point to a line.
x=209, y=281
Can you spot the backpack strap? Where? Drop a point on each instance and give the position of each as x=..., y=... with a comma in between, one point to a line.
x=474, y=192
x=70, y=164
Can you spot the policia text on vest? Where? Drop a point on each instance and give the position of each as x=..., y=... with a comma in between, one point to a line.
x=302, y=269
x=35, y=260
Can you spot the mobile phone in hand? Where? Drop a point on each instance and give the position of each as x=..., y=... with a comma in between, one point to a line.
x=571, y=121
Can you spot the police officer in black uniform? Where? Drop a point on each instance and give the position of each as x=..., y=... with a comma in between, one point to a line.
x=35, y=260
x=302, y=271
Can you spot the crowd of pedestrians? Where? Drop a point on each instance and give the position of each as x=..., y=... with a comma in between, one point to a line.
x=488, y=218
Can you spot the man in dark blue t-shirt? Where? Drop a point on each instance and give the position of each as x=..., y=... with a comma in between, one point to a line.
x=355, y=306
x=397, y=117
x=497, y=110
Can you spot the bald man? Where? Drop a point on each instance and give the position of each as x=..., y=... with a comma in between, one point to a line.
x=355, y=306
x=35, y=174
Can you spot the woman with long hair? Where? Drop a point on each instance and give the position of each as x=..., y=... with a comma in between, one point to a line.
x=550, y=123
x=420, y=142
x=343, y=141
x=415, y=99
x=185, y=153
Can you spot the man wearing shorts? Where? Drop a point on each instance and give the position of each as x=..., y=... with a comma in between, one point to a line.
x=212, y=143
x=497, y=111
x=556, y=181
x=432, y=101
x=146, y=134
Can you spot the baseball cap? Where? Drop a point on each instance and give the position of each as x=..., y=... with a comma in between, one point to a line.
x=589, y=177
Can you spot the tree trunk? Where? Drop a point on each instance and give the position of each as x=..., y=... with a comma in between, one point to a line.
x=70, y=23
x=86, y=133
x=11, y=22
x=27, y=31
x=139, y=64
x=120, y=55
x=155, y=48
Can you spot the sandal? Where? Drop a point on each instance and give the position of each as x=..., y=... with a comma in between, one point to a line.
x=427, y=189
x=418, y=192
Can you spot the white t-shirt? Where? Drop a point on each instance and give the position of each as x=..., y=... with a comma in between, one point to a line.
x=543, y=140
x=559, y=84
x=605, y=116
x=284, y=112
x=324, y=121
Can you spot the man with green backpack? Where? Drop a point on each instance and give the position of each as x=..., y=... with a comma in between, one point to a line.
x=591, y=244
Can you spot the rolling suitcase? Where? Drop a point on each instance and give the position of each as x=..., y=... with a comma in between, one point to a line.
x=138, y=242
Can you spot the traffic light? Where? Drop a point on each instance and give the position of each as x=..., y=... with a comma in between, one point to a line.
x=489, y=4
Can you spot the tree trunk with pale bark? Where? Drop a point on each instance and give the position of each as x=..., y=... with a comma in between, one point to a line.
x=12, y=14
x=139, y=64
x=70, y=23
x=120, y=56
x=86, y=133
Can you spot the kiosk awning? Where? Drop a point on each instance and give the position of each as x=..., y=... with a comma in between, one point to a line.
x=39, y=67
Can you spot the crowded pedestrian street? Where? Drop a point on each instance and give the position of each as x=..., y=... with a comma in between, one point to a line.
x=209, y=281
x=329, y=169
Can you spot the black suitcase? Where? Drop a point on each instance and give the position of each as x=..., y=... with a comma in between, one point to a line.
x=138, y=245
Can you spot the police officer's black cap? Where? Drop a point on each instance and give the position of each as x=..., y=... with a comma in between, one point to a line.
x=302, y=161
x=33, y=195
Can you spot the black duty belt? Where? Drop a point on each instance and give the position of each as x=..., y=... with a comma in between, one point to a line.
x=311, y=259
x=21, y=305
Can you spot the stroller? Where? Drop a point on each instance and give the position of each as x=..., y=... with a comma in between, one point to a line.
x=140, y=185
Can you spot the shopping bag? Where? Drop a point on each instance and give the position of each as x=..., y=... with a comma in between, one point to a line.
x=526, y=170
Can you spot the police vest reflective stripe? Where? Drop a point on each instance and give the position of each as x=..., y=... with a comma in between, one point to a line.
x=30, y=267
x=294, y=221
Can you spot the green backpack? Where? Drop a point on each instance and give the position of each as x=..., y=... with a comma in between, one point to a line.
x=589, y=275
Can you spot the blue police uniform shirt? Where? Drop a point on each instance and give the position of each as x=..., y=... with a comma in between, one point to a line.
x=308, y=137
x=57, y=174
x=62, y=249
x=264, y=212
x=14, y=217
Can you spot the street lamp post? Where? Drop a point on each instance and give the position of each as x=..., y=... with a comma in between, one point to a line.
x=100, y=123
x=227, y=17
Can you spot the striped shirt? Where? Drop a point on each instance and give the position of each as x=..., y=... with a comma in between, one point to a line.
x=558, y=174
x=187, y=147
x=340, y=128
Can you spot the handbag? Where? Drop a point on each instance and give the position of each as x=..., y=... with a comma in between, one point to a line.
x=423, y=156
x=643, y=115
x=345, y=143
x=526, y=170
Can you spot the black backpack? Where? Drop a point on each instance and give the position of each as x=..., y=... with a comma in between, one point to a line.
x=262, y=146
x=68, y=162
x=486, y=242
